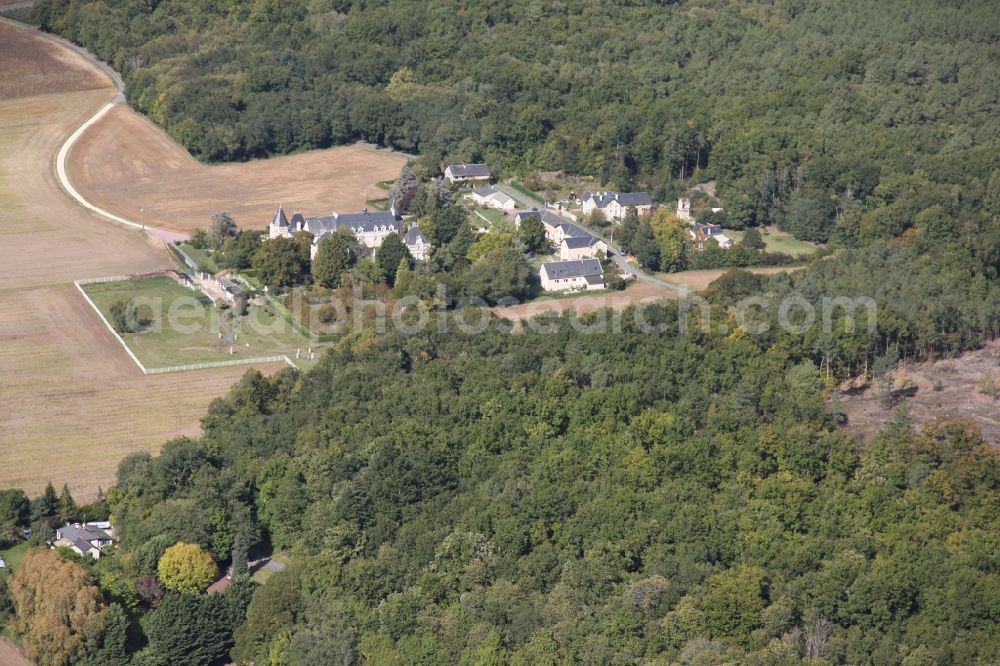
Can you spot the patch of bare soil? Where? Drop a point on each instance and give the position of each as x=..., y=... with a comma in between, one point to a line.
x=642, y=292
x=959, y=389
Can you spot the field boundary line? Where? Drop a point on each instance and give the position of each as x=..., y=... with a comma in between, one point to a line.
x=111, y=328
x=273, y=358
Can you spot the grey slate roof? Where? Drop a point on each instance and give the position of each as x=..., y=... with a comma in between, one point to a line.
x=572, y=269
x=298, y=220
x=414, y=236
x=602, y=200
x=469, y=170
x=626, y=199
x=84, y=533
x=485, y=191
x=279, y=219
x=82, y=545
x=369, y=221
x=570, y=229
x=577, y=242
x=708, y=229
x=635, y=199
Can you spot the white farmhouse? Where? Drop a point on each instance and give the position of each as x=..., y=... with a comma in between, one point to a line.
x=580, y=275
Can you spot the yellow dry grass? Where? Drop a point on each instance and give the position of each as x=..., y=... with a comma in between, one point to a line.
x=125, y=162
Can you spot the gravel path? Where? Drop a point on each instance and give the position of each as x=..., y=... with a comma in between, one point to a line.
x=164, y=235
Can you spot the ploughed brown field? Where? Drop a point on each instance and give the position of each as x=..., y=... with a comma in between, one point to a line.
x=125, y=162
x=71, y=402
x=33, y=67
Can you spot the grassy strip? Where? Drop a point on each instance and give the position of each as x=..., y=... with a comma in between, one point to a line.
x=13, y=555
x=200, y=257
x=528, y=194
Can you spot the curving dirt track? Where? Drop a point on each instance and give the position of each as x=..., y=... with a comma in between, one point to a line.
x=124, y=162
x=71, y=402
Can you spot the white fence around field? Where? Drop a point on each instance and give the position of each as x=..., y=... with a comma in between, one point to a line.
x=274, y=358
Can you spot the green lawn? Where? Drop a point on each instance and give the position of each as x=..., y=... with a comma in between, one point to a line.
x=492, y=215
x=261, y=575
x=181, y=326
x=525, y=195
x=201, y=258
x=779, y=241
x=13, y=556
x=539, y=259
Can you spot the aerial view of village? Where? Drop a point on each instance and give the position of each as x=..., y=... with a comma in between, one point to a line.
x=399, y=332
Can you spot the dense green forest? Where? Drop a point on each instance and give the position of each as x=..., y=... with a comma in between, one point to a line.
x=806, y=113
x=633, y=496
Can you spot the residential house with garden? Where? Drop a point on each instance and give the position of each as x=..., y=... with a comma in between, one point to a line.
x=462, y=173
x=581, y=247
x=579, y=275
x=85, y=539
x=614, y=206
x=702, y=233
x=491, y=197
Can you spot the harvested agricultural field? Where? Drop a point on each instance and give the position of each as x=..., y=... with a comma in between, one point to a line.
x=125, y=163
x=72, y=403
x=34, y=66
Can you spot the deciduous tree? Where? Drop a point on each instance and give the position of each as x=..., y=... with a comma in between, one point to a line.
x=532, y=234
x=60, y=615
x=185, y=567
